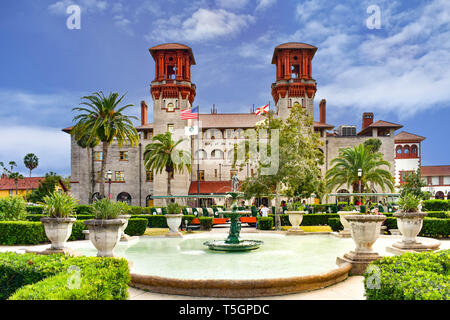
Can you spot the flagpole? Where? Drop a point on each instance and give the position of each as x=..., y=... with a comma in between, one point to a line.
x=198, y=160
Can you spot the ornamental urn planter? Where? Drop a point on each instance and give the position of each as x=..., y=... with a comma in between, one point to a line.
x=365, y=230
x=410, y=224
x=346, y=233
x=295, y=219
x=58, y=231
x=105, y=234
x=174, y=222
x=123, y=236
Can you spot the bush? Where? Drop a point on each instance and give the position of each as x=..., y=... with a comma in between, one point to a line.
x=40, y=277
x=77, y=230
x=157, y=221
x=438, y=214
x=431, y=227
x=265, y=223
x=135, y=210
x=35, y=209
x=13, y=209
x=411, y=276
x=206, y=223
x=136, y=227
x=84, y=209
x=335, y=224
x=436, y=205
x=21, y=232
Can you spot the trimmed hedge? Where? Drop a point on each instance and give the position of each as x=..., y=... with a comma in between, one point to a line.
x=410, y=276
x=21, y=232
x=438, y=214
x=84, y=209
x=335, y=224
x=436, y=205
x=265, y=223
x=35, y=209
x=77, y=230
x=41, y=277
x=136, y=227
x=206, y=223
x=319, y=219
x=432, y=227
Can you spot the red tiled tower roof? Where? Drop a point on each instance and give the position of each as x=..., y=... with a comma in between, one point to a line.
x=408, y=137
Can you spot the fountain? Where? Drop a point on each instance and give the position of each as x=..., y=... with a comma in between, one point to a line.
x=233, y=243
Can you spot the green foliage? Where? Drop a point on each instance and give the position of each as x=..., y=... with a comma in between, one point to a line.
x=105, y=209
x=54, y=277
x=45, y=188
x=124, y=207
x=83, y=209
x=436, y=205
x=349, y=207
x=413, y=185
x=409, y=202
x=35, y=209
x=335, y=224
x=187, y=218
x=206, y=223
x=77, y=230
x=31, y=161
x=295, y=206
x=59, y=205
x=434, y=227
x=173, y=208
x=136, y=227
x=21, y=232
x=373, y=144
x=137, y=210
x=157, y=221
x=13, y=209
x=265, y=223
x=411, y=276
x=438, y=214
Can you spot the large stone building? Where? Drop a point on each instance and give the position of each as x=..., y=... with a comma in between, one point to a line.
x=173, y=91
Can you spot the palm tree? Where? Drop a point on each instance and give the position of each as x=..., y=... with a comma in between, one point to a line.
x=31, y=161
x=346, y=165
x=16, y=176
x=161, y=155
x=100, y=120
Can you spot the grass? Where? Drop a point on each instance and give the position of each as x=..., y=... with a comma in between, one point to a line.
x=310, y=228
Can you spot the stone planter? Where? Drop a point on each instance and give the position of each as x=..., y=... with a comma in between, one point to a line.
x=123, y=236
x=410, y=224
x=58, y=231
x=295, y=219
x=105, y=235
x=174, y=222
x=346, y=233
x=365, y=230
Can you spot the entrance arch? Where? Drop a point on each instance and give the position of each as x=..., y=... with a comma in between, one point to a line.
x=439, y=195
x=124, y=197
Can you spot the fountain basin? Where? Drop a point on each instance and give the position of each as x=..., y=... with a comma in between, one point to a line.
x=243, y=245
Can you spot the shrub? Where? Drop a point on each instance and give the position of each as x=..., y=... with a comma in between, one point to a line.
x=35, y=209
x=136, y=227
x=188, y=218
x=135, y=210
x=173, y=208
x=157, y=221
x=335, y=224
x=40, y=277
x=206, y=223
x=391, y=223
x=265, y=223
x=106, y=209
x=77, y=230
x=411, y=276
x=59, y=205
x=85, y=217
x=436, y=205
x=34, y=217
x=13, y=209
x=438, y=214
x=83, y=209
x=409, y=203
x=434, y=227
x=21, y=232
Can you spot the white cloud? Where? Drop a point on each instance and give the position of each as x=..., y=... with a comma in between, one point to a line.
x=60, y=7
x=203, y=25
x=264, y=4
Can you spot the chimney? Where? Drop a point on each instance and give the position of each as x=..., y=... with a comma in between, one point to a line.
x=144, y=110
x=367, y=119
x=323, y=111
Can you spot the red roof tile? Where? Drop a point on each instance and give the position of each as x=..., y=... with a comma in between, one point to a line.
x=406, y=136
x=381, y=124
x=173, y=46
x=23, y=184
x=208, y=187
x=436, y=171
x=292, y=45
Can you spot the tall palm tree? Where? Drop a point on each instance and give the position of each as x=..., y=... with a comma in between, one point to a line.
x=31, y=161
x=344, y=170
x=163, y=154
x=103, y=119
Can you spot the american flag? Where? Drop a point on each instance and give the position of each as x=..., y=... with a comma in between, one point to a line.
x=189, y=114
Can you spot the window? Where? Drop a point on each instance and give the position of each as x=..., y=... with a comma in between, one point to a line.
x=170, y=107
x=232, y=173
x=447, y=180
x=435, y=181
x=119, y=176
x=414, y=149
x=11, y=193
x=98, y=155
x=406, y=150
x=215, y=173
x=201, y=175
x=123, y=155
x=170, y=128
x=149, y=176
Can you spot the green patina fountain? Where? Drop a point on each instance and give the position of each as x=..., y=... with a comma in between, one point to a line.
x=233, y=243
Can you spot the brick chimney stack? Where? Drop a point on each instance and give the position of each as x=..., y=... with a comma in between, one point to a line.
x=323, y=111
x=367, y=119
x=144, y=112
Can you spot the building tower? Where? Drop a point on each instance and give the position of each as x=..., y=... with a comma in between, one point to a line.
x=172, y=91
x=294, y=83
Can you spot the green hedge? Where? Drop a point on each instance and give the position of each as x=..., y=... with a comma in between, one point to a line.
x=206, y=223
x=410, y=276
x=77, y=230
x=41, y=277
x=438, y=214
x=319, y=219
x=35, y=209
x=436, y=205
x=265, y=223
x=431, y=227
x=136, y=227
x=335, y=224
x=21, y=232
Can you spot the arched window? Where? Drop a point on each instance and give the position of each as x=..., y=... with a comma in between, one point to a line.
x=399, y=151
x=200, y=154
x=149, y=200
x=414, y=149
x=439, y=195
x=406, y=150
x=124, y=197
x=217, y=154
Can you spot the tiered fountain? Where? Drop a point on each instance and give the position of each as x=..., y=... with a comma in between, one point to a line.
x=233, y=243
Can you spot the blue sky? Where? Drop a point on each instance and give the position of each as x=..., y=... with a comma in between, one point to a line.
x=401, y=72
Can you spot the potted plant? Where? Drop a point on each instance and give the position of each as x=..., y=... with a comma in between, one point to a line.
x=409, y=221
x=346, y=210
x=365, y=230
x=174, y=217
x=105, y=229
x=124, y=209
x=60, y=209
x=295, y=212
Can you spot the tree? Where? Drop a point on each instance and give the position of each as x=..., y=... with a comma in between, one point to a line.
x=102, y=119
x=299, y=159
x=413, y=185
x=163, y=154
x=45, y=188
x=16, y=176
x=31, y=161
x=374, y=144
x=344, y=170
